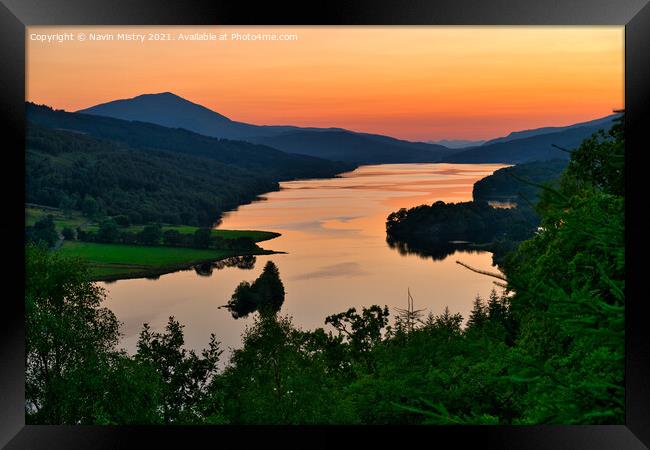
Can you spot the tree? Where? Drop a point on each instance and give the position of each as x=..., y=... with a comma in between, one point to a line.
x=448, y=323
x=184, y=375
x=478, y=316
x=269, y=289
x=89, y=206
x=265, y=294
x=569, y=293
x=361, y=331
x=407, y=319
x=68, y=233
x=67, y=204
x=243, y=301
x=279, y=377
x=150, y=234
x=495, y=309
x=599, y=162
x=172, y=237
x=122, y=220
x=202, y=237
x=69, y=336
x=108, y=231
x=43, y=232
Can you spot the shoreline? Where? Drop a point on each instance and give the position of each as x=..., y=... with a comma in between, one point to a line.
x=177, y=267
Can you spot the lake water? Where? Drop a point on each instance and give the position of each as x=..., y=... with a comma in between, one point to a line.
x=333, y=233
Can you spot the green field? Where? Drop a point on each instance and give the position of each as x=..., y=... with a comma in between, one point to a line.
x=61, y=220
x=256, y=235
x=113, y=261
x=74, y=219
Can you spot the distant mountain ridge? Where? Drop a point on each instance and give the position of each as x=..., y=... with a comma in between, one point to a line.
x=170, y=110
x=457, y=143
x=271, y=162
x=536, y=147
x=546, y=130
x=336, y=144
x=358, y=147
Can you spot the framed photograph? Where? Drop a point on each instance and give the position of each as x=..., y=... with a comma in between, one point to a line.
x=343, y=218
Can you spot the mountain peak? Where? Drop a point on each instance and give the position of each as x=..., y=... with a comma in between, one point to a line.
x=165, y=94
x=162, y=108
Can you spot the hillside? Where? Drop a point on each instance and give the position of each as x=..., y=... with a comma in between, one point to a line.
x=71, y=170
x=533, y=148
x=148, y=172
x=269, y=162
x=457, y=143
x=170, y=110
x=604, y=122
x=355, y=147
x=508, y=184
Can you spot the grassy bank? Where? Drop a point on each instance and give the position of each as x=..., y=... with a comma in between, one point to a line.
x=117, y=261
x=34, y=213
x=256, y=235
x=112, y=261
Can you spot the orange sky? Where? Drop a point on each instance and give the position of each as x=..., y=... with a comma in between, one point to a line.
x=417, y=83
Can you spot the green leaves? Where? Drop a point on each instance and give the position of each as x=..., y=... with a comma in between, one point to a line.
x=569, y=284
x=183, y=377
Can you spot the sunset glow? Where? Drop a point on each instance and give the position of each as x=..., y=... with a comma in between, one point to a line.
x=416, y=83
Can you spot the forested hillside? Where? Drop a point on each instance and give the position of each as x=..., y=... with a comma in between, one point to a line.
x=268, y=161
x=359, y=148
x=519, y=184
x=148, y=172
x=337, y=144
x=76, y=171
x=542, y=147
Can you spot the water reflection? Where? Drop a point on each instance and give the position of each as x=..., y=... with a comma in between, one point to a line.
x=348, y=269
x=333, y=234
x=265, y=295
x=438, y=252
x=206, y=269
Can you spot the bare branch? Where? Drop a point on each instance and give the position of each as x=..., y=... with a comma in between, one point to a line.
x=483, y=272
x=538, y=185
x=562, y=148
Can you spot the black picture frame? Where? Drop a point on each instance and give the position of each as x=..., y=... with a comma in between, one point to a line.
x=15, y=15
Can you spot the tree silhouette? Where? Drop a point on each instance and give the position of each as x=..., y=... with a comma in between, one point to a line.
x=265, y=295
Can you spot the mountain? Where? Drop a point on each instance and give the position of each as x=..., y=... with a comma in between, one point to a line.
x=533, y=148
x=149, y=172
x=170, y=110
x=456, y=143
x=602, y=122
